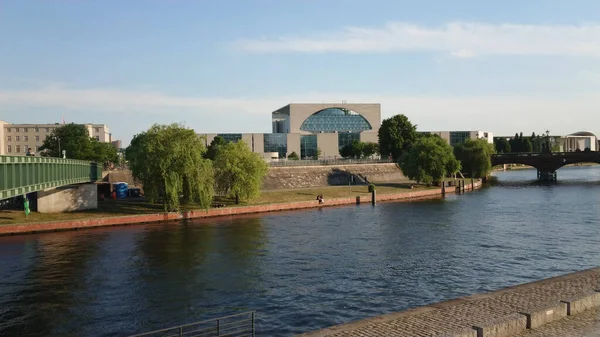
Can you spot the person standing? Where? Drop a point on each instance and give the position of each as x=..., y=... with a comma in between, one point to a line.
x=30, y=153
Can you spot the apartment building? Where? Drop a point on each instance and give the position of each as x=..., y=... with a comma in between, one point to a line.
x=15, y=139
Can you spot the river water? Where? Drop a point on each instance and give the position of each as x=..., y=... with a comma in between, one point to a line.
x=301, y=270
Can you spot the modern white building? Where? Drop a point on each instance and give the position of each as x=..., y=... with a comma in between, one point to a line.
x=15, y=139
x=581, y=141
x=311, y=128
x=458, y=137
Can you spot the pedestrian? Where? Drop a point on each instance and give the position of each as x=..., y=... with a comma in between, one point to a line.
x=30, y=153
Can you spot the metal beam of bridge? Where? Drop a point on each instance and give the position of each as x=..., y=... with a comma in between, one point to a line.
x=546, y=163
x=20, y=174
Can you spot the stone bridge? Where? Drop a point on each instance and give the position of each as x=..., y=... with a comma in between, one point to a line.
x=546, y=163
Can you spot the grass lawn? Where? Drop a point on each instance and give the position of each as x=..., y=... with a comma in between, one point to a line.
x=132, y=206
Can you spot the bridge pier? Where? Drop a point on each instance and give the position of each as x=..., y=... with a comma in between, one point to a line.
x=548, y=176
x=67, y=198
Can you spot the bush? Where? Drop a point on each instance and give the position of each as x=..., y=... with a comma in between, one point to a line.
x=371, y=187
x=587, y=149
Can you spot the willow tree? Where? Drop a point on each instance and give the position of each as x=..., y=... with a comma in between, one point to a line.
x=429, y=160
x=475, y=157
x=239, y=172
x=168, y=160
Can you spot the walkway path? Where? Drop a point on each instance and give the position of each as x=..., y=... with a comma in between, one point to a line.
x=586, y=324
x=457, y=317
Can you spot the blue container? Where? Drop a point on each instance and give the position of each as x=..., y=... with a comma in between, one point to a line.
x=121, y=189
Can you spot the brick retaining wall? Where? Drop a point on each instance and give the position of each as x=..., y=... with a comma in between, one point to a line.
x=213, y=212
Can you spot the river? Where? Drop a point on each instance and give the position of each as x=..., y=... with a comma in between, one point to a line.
x=300, y=270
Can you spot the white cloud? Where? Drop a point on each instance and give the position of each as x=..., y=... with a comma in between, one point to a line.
x=462, y=39
x=499, y=114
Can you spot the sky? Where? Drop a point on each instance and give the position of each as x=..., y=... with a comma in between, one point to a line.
x=223, y=66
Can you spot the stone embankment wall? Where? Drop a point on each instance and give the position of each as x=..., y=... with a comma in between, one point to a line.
x=317, y=176
x=508, y=312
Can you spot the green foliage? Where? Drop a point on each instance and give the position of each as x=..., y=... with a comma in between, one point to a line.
x=474, y=156
x=239, y=172
x=502, y=145
x=521, y=144
x=369, y=149
x=318, y=153
x=429, y=160
x=293, y=156
x=213, y=148
x=75, y=140
x=168, y=160
x=371, y=188
x=396, y=135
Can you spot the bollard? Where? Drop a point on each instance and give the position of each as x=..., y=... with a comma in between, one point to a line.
x=472, y=184
x=443, y=189
x=358, y=199
x=373, y=197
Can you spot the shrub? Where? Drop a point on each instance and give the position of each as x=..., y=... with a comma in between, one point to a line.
x=371, y=187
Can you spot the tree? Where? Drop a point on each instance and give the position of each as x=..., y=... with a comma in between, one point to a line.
x=526, y=145
x=73, y=138
x=317, y=153
x=429, y=160
x=168, y=160
x=396, y=135
x=474, y=157
x=293, y=156
x=211, y=151
x=369, y=149
x=346, y=151
x=502, y=145
x=103, y=152
x=239, y=172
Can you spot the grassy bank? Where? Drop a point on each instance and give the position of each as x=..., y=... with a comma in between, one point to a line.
x=109, y=208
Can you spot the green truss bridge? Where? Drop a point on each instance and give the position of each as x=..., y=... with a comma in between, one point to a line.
x=20, y=175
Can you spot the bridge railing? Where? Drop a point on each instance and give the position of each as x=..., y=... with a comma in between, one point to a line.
x=324, y=162
x=534, y=154
x=231, y=326
x=21, y=174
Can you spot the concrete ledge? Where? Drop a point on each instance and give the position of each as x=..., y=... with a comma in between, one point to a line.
x=578, y=304
x=506, y=326
x=537, y=317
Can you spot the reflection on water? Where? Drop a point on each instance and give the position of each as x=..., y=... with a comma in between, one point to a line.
x=300, y=270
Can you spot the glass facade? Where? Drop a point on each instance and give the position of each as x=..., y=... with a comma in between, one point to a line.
x=346, y=138
x=459, y=137
x=276, y=142
x=335, y=119
x=308, y=146
x=230, y=137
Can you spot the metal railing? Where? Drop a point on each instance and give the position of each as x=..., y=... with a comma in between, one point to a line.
x=238, y=325
x=323, y=162
x=21, y=174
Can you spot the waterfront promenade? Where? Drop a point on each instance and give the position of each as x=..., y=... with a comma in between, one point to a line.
x=553, y=307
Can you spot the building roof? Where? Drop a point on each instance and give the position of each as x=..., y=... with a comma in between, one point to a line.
x=583, y=134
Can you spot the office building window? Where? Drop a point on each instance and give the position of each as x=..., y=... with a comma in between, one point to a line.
x=17, y=148
x=308, y=146
x=37, y=138
x=47, y=129
x=459, y=137
x=98, y=138
x=37, y=148
x=37, y=129
x=9, y=138
x=25, y=129
x=9, y=148
x=276, y=142
x=230, y=137
x=8, y=129
x=25, y=148
x=18, y=138
x=346, y=138
x=25, y=138
x=335, y=120
x=97, y=130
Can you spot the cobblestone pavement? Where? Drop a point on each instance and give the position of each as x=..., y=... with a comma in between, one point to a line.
x=451, y=317
x=586, y=324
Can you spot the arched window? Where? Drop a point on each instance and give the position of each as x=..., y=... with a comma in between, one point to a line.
x=335, y=120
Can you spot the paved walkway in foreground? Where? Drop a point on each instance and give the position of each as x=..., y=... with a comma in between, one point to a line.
x=586, y=324
x=460, y=315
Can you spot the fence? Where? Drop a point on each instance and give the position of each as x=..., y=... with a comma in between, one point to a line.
x=322, y=162
x=239, y=325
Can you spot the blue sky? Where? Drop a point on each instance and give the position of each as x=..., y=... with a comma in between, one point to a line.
x=223, y=66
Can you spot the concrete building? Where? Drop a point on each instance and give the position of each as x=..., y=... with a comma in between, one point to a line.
x=458, y=137
x=15, y=139
x=304, y=128
x=581, y=141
